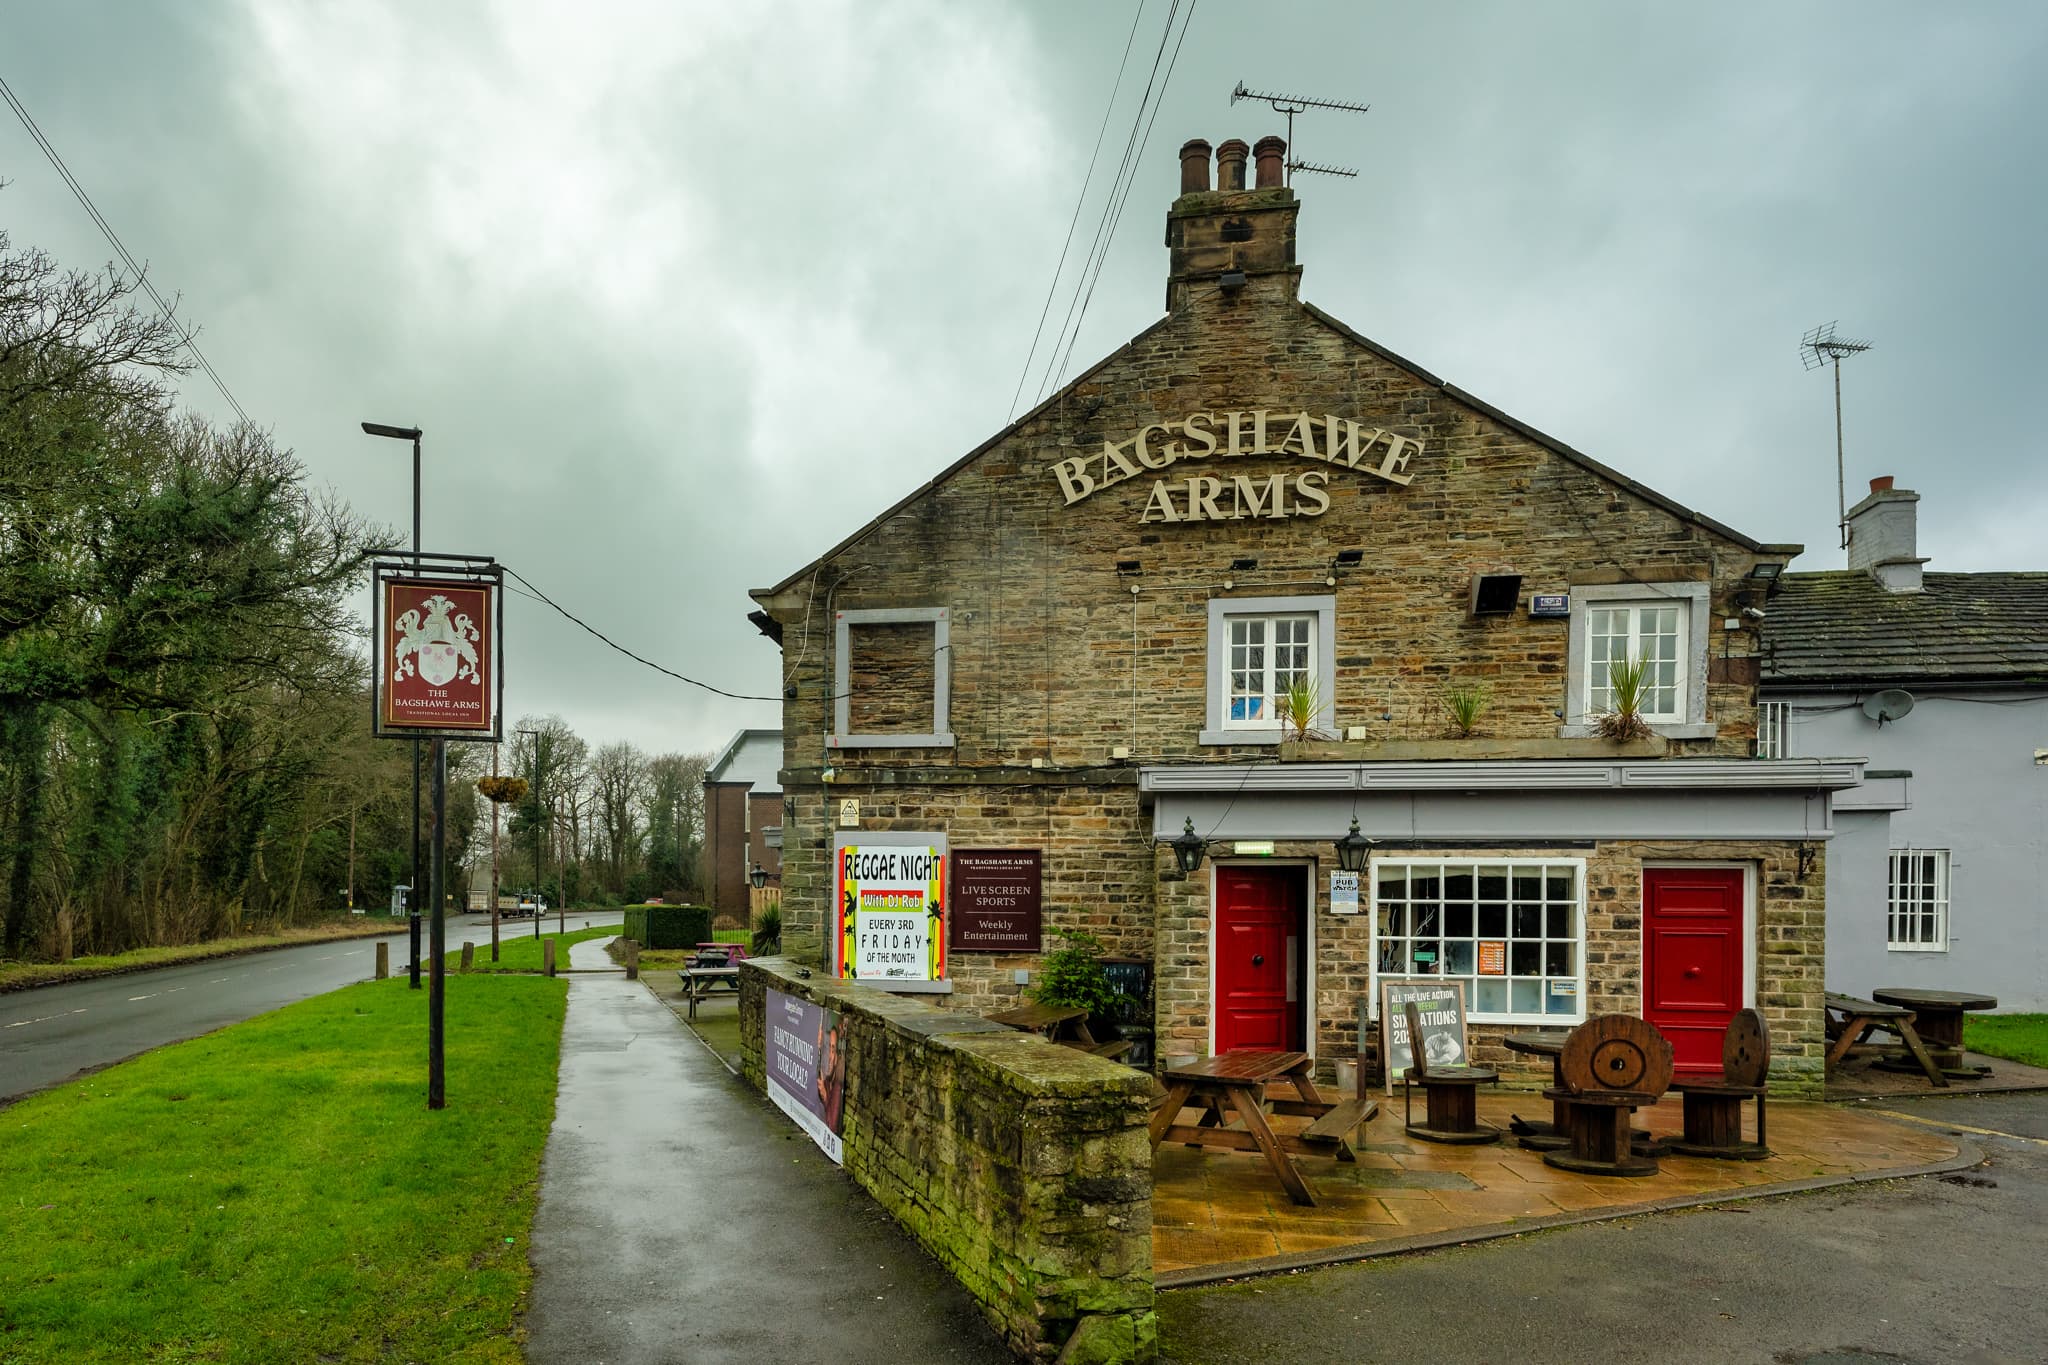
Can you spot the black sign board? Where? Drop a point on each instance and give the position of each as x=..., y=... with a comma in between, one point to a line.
x=1442, y=1007
x=997, y=896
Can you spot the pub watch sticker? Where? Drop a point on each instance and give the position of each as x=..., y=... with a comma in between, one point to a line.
x=437, y=655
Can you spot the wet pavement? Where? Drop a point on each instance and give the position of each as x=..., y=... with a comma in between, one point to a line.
x=683, y=1219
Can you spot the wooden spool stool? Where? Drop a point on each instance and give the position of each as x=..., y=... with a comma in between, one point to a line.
x=1611, y=1064
x=1450, y=1094
x=1713, y=1106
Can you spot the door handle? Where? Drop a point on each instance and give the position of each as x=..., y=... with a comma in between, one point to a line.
x=1258, y=959
x=1692, y=971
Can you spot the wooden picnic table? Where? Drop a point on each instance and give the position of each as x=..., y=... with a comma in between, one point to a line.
x=1938, y=1016
x=699, y=982
x=1851, y=1018
x=1235, y=1083
x=1063, y=1024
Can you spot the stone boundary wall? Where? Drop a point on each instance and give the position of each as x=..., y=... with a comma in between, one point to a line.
x=1024, y=1167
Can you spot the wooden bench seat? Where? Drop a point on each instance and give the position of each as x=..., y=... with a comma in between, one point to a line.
x=1341, y=1122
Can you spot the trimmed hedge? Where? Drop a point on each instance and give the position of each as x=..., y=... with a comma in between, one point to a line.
x=668, y=926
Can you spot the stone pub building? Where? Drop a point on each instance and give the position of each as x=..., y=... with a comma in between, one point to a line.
x=1079, y=639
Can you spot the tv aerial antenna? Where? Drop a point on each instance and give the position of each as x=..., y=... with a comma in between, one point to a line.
x=1822, y=347
x=1290, y=105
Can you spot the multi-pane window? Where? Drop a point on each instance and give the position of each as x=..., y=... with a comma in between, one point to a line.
x=1513, y=932
x=1770, y=729
x=1918, y=913
x=1266, y=656
x=1650, y=633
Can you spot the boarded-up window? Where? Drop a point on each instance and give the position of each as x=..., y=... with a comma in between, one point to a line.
x=891, y=677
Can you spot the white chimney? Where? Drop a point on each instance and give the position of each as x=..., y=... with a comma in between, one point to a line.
x=1883, y=536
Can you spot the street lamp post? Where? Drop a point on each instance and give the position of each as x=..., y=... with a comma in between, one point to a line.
x=536, y=828
x=410, y=434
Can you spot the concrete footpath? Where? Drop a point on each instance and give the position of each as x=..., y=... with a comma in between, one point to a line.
x=683, y=1219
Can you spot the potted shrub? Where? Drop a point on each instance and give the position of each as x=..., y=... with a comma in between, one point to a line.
x=1072, y=977
x=1299, y=705
x=1628, y=685
x=1465, y=703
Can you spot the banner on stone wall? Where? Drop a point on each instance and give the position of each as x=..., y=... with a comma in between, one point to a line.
x=892, y=910
x=805, y=1051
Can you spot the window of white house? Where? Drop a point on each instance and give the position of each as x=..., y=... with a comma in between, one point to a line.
x=1770, y=729
x=1513, y=932
x=1659, y=625
x=1258, y=648
x=1918, y=915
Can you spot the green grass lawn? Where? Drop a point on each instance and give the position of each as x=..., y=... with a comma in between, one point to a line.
x=2016, y=1037
x=15, y=975
x=279, y=1191
x=522, y=952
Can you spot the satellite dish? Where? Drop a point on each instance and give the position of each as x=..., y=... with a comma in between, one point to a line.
x=1891, y=704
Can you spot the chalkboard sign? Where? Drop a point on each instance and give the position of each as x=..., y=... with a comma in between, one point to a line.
x=1442, y=1007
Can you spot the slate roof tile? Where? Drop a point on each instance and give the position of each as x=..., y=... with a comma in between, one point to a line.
x=1844, y=627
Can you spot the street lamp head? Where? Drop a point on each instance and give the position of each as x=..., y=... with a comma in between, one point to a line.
x=395, y=433
x=758, y=876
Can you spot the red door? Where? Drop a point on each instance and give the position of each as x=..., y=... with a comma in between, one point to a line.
x=1692, y=959
x=1259, y=921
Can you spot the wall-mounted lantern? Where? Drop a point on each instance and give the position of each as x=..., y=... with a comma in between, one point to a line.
x=1189, y=848
x=1354, y=849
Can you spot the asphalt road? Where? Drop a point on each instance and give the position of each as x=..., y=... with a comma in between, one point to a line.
x=1941, y=1269
x=54, y=1032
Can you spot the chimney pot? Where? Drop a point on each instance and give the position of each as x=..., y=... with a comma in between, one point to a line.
x=1882, y=483
x=1194, y=166
x=1272, y=155
x=1230, y=159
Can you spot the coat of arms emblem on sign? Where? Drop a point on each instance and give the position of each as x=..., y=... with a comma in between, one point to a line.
x=439, y=646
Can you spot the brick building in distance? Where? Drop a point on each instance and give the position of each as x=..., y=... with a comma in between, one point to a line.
x=742, y=820
x=1073, y=646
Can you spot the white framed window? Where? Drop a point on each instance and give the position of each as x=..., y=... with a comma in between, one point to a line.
x=1770, y=729
x=1268, y=655
x=1650, y=633
x=1917, y=915
x=1659, y=624
x=1512, y=930
x=1258, y=648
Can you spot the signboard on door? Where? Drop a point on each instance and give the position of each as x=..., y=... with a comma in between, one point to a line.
x=998, y=895
x=438, y=655
x=805, y=1052
x=1441, y=1005
x=892, y=908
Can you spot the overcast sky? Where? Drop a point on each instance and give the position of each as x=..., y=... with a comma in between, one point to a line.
x=683, y=293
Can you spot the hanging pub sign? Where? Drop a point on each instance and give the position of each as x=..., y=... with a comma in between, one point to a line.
x=891, y=919
x=439, y=649
x=997, y=898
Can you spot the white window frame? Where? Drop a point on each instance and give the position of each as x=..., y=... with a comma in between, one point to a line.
x=1693, y=600
x=1772, y=718
x=1577, y=869
x=941, y=735
x=1217, y=727
x=1916, y=905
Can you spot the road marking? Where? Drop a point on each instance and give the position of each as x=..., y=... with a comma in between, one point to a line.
x=175, y=989
x=1959, y=1127
x=151, y=996
x=218, y=979
x=327, y=958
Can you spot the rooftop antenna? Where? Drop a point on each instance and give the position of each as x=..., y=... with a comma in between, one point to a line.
x=1822, y=347
x=1291, y=105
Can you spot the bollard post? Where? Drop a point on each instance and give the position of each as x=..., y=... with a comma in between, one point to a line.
x=468, y=956
x=632, y=960
x=547, y=955
x=383, y=961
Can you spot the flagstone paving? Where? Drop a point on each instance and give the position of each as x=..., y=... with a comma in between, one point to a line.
x=1212, y=1207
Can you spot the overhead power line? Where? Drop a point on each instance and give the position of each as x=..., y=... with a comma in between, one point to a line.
x=185, y=334
x=527, y=583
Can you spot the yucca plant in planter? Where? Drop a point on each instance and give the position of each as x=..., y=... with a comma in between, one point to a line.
x=1299, y=705
x=1465, y=703
x=1628, y=683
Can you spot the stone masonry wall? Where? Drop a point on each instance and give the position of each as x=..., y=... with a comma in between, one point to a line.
x=1788, y=965
x=1022, y=1166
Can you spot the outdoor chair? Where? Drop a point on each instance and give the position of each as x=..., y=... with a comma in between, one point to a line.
x=1713, y=1105
x=1612, y=1065
x=1450, y=1094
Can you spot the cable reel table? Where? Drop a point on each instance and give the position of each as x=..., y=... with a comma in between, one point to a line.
x=1611, y=1065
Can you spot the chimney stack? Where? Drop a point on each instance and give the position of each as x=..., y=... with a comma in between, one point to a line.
x=1244, y=234
x=1883, y=536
